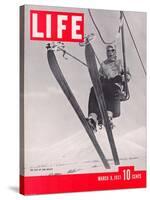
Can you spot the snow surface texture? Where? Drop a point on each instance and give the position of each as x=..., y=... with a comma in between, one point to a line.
x=76, y=154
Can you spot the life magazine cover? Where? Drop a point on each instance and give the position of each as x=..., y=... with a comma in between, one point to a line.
x=82, y=99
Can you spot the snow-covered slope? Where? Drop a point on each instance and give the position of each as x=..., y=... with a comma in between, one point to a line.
x=76, y=153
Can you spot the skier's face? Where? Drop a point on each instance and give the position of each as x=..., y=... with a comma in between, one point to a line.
x=111, y=53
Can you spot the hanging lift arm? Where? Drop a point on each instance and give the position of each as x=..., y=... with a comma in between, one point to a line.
x=126, y=89
x=136, y=48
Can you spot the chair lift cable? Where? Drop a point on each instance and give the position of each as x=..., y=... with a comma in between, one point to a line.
x=99, y=33
x=134, y=42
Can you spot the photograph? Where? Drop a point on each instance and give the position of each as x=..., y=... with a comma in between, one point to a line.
x=82, y=98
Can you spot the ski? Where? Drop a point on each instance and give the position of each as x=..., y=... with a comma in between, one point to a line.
x=94, y=74
x=54, y=66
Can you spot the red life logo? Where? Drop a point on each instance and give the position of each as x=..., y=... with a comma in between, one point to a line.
x=56, y=26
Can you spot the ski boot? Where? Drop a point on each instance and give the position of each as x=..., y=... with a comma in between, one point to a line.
x=92, y=124
x=92, y=121
x=110, y=116
x=111, y=124
x=100, y=125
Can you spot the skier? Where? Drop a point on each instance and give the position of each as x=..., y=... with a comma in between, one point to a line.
x=112, y=78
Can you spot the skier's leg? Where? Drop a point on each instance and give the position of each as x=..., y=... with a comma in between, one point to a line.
x=113, y=103
x=94, y=115
x=116, y=106
x=116, y=109
x=93, y=108
x=109, y=100
x=92, y=105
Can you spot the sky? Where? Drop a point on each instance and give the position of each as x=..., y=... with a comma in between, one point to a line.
x=49, y=118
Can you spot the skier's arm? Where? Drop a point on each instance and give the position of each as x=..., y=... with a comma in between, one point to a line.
x=128, y=74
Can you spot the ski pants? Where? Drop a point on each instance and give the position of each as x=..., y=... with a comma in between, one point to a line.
x=112, y=100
